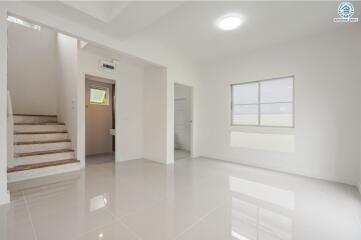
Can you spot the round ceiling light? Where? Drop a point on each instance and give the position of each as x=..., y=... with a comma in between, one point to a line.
x=229, y=23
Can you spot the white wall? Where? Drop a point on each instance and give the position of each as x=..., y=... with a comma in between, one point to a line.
x=141, y=101
x=178, y=70
x=155, y=115
x=67, y=84
x=327, y=108
x=129, y=82
x=182, y=92
x=32, y=69
x=4, y=196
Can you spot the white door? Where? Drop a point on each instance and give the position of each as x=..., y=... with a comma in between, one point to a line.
x=181, y=124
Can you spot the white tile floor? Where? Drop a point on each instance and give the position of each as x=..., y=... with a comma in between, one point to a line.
x=192, y=199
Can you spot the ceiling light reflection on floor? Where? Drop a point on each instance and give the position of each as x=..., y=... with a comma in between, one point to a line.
x=98, y=202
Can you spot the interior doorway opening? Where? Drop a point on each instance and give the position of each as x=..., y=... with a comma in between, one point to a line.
x=99, y=117
x=182, y=121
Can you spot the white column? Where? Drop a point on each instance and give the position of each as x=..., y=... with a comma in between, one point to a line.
x=80, y=146
x=4, y=195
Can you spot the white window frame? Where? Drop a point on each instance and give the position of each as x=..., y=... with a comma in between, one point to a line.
x=100, y=88
x=259, y=102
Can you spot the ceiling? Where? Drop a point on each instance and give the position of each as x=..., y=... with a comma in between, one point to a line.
x=103, y=11
x=119, y=19
x=116, y=55
x=189, y=28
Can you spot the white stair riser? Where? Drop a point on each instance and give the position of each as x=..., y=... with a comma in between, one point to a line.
x=52, y=184
x=40, y=137
x=42, y=147
x=39, y=128
x=42, y=172
x=34, y=119
x=44, y=158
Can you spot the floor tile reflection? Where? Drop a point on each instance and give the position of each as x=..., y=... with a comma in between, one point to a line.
x=192, y=199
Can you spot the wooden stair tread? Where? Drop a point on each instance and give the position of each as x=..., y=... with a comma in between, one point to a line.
x=42, y=142
x=41, y=165
x=49, y=132
x=44, y=123
x=28, y=154
x=34, y=115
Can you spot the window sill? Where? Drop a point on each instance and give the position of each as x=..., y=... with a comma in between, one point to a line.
x=262, y=129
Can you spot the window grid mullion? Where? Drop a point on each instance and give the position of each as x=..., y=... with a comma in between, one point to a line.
x=259, y=101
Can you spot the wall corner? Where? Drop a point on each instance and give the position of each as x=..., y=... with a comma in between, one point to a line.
x=5, y=198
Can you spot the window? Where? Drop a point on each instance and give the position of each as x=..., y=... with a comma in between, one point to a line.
x=23, y=23
x=99, y=95
x=264, y=103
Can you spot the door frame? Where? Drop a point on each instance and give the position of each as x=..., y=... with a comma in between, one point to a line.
x=184, y=100
x=191, y=132
x=81, y=126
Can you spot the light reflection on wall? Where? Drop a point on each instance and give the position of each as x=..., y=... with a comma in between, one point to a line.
x=264, y=141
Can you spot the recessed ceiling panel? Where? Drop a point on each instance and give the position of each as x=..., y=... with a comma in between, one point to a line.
x=101, y=10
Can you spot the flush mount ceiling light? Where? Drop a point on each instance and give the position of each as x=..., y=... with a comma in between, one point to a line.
x=229, y=23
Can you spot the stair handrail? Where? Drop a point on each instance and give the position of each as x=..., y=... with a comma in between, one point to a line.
x=10, y=133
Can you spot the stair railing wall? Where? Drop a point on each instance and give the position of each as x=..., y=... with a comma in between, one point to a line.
x=10, y=133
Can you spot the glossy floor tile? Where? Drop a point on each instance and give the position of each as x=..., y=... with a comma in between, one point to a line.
x=181, y=154
x=192, y=199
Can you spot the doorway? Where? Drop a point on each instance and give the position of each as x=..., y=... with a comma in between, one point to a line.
x=99, y=118
x=182, y=121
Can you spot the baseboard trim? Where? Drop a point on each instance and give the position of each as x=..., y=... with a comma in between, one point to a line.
x=155, y=161
x=128, y=159
x=5, y=198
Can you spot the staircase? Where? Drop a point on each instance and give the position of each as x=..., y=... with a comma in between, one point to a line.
x=41, y=148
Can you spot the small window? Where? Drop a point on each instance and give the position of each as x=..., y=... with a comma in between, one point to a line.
x=99, y=96
x=264, y=103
